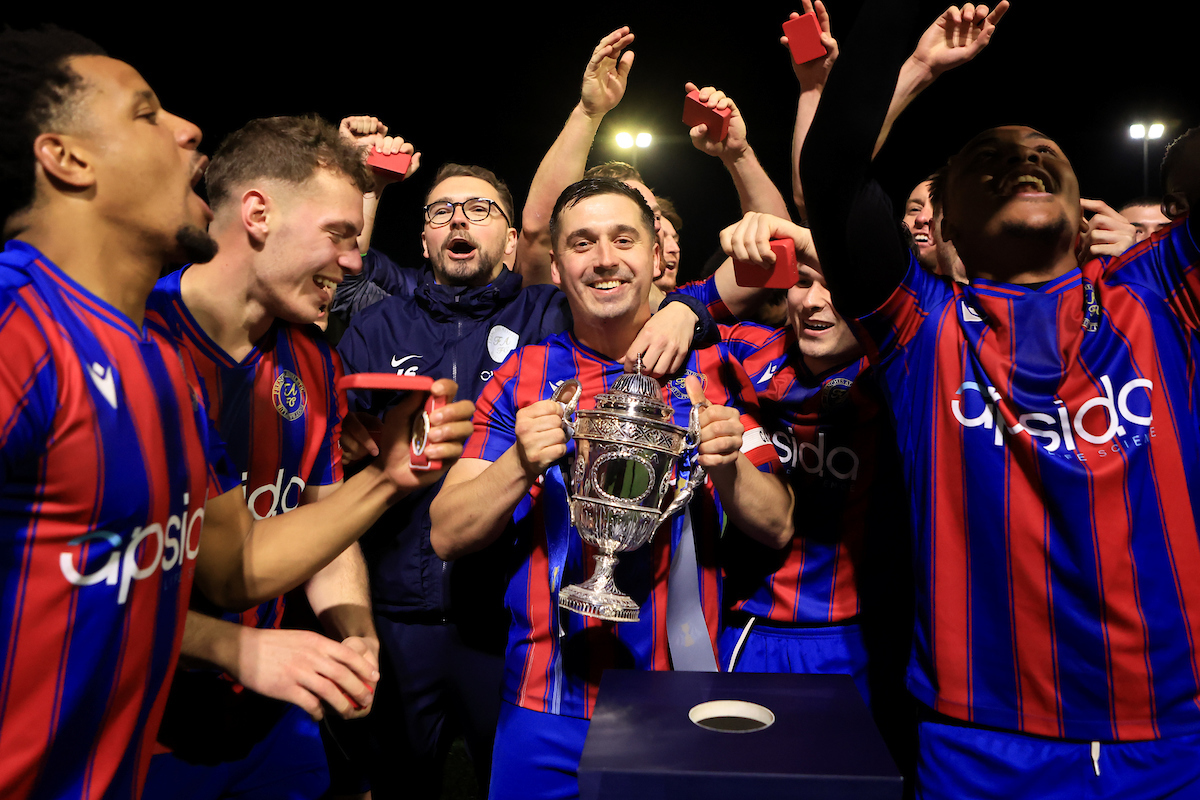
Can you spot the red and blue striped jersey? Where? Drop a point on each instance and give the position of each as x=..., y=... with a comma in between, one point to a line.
x=560, y=674
x=106, y=460
x=1050, y=444
x=276, y=409
x=835, y=444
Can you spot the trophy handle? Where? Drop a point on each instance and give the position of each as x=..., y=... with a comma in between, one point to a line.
x=567, y=397
x=684, y=493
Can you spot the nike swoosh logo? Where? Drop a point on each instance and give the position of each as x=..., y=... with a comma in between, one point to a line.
x=398, y=361
x=103, y=378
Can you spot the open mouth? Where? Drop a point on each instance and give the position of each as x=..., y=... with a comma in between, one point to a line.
x=1028, y=184
x=461, y=248
x=605, y=285
x=922, y=238
x=816, y=326
x=199, y=166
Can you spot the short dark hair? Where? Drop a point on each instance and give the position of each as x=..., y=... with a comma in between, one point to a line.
x=1174, y=153
x=937, y=187
x=591, y=187
x=668, y=210
x=288, y=149
x=1138, y=202
x=39, y=93
x=615, y=169
x=452, y=170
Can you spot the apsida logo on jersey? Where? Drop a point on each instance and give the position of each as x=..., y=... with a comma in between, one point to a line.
x=836, y=462
x=289, y=395
x=679, y=388
x=1101, y=421
x=148, y=549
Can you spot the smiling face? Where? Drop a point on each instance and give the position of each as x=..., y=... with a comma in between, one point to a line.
x=604, y=259
x=824, y=338
x=668, y=240
x=1010, y=182
x=465, y=253
x=144, y=159
x=918, y=218
x=310, y=246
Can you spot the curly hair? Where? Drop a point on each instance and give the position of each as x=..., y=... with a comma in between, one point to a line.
x=39, y=93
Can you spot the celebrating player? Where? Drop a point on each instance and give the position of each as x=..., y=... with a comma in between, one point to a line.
x=110, y=466
x=604, y=254
x=1046, y=415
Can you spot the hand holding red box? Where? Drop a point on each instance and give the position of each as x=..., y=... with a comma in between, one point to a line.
x=804, y=38
x=782, y=276
x=697, y=113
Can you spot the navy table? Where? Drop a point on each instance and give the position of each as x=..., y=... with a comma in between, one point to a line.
x=823, y=743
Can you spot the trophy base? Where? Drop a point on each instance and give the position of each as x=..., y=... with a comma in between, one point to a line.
x=607, y=605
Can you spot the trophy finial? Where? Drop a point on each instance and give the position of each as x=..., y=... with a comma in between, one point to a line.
x=640, y=366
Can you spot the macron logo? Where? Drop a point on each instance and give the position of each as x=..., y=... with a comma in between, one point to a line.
x=969, y=314
x=103, y=378
x=769, y=373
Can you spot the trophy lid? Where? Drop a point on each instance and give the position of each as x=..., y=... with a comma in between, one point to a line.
x=636, y=394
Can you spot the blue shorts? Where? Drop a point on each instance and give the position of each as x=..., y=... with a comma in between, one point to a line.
x=288, y=764
x=956, y=761
x=827, y=650
x=536, y=755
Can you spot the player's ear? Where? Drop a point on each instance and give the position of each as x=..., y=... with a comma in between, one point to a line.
x=510, y=244
x=64, y=159
x=554, y=273
x=658, y=266
x=424, y=247
x=256, y=215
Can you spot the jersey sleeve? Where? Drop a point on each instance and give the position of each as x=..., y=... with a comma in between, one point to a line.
x=1169, y=264
x=495, y=417
x=28, y=394
x=892, y=327
x=737, y=391
x=706, y=292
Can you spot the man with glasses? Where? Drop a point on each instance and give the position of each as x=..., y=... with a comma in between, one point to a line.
x=442, y=627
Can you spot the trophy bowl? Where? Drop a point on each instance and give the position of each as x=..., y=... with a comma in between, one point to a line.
x=624, y=482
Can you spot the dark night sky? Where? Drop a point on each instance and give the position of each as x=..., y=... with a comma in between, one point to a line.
x=494, y=87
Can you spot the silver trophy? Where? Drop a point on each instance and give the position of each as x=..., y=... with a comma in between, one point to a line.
x=627, y=454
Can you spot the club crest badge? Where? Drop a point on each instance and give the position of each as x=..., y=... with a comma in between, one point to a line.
x=679, y=388
x=289, y=395
x=834, y=391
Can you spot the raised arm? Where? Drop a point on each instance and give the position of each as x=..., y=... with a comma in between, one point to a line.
x=812, y=76
x=863, y=254
x=243, y=562
x=371, y=134
x=954, y=38
x=755, y=190
x=604, y=82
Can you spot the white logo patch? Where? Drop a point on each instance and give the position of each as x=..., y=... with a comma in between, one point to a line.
x=501, y=341
x=397, y=362
x=969, y=314
x=103, y=378
x=768, y=373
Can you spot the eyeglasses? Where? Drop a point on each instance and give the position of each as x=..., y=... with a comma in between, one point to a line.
x=477, y=209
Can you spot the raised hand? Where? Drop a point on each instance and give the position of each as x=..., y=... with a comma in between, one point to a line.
x=734, y=144
x=607, y=73
x=813, y=74
x=664, y=341
x=369, y=132
x=957, y=36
